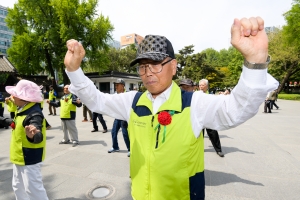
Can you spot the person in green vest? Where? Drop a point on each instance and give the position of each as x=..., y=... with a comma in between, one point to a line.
x=28, y=141
x=2, y=99
x=52, y=98
x=68, y=104
x=165, y=122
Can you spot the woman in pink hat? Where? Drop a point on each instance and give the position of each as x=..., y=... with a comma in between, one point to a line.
x=28, y=141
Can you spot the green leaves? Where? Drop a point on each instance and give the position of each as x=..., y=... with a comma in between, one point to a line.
x=43, y=27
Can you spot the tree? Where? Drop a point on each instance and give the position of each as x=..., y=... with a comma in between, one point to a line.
x=119, y=59
x=284, y=47
x=43, y=27
x=181, y=59
x=197, y=67
x=285, y=58
x=235, y=64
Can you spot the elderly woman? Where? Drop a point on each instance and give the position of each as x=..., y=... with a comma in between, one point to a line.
x=28, y=141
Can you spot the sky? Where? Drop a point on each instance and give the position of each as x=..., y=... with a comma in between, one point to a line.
x=202, y=23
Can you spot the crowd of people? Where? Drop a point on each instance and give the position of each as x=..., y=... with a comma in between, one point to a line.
x=152, y=121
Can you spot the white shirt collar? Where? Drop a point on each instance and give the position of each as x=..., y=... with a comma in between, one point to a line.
x=164, y=95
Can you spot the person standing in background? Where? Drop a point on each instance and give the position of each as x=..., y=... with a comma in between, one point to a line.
x=212, y=134
x=68, y=104
x=120, y=88
x=100, y=117
x=273, y=98
x=86, y=110
x=2, y=109
x=52, y=98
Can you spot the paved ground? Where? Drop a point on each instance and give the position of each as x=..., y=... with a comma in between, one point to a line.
x=262, y=160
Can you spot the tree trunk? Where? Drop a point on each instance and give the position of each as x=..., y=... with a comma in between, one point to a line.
x=50, y=68
x=65, y=76
x=291, y=71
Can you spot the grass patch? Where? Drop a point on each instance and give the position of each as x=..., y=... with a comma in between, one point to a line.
x=289, y=96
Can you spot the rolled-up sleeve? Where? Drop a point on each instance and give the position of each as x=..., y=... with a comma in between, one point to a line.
x=220, y=112
x=114, y=105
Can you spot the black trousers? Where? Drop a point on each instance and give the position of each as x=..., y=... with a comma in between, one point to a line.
x=273, y=104
x=214, y=138
x=100, y=117
x=267, y=106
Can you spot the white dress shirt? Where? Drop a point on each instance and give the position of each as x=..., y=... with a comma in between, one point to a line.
x=217, y=112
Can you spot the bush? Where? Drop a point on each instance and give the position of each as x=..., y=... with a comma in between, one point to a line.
x=289, y=96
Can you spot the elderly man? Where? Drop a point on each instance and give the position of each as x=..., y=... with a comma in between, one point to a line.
x=120, y=88
x=167, y=157
x=68, y=104
x=212, y=134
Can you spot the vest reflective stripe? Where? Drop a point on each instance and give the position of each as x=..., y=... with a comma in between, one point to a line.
x=164, y=172
x=19, y=143
x=66, y=106
x=11, y=106
x=51, y=95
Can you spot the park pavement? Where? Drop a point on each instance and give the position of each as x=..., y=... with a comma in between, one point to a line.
x=262, y=160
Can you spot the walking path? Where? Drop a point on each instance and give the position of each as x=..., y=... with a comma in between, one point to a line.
x=262, y=160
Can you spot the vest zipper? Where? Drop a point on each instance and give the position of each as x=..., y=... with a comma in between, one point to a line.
x=152, y=120
x=157, y=136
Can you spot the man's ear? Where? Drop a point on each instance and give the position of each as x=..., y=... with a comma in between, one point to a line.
x=174, y=66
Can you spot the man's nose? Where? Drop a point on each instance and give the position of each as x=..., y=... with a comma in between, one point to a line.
x=148, y=72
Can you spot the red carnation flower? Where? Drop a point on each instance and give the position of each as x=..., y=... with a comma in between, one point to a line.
x=13, y=125
x=164, y=118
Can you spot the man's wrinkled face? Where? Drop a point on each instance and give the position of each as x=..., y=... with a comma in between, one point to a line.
x=156, y=83
x=203, y=86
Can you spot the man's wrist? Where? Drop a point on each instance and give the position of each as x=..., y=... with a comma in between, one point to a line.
x=251, y=65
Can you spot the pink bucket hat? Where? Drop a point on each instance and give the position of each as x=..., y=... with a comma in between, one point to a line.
x=26, y=90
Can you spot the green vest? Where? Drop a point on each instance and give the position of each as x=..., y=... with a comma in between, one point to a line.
x=22, y=152
x=51, y=95
x=165, y=171
x=66, y=106
x=11, y=106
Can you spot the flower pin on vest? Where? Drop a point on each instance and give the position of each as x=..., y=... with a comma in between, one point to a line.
x=13, y=125
x=66, y=99
x=164, y=118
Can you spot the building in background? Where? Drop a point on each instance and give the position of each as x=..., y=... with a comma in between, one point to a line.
x=129, y=39
x=105, y=82
x=5, y=33
x=271, y=29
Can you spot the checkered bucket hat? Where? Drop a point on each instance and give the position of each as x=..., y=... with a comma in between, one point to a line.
x=154, y=47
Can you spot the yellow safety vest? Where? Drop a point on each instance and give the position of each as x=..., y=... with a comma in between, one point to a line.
x=173, y=169
x=23, y=152
x=66, y=106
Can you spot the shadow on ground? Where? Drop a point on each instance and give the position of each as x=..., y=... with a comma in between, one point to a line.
x=214, y=178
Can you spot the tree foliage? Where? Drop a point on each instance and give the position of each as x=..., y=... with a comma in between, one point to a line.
x=43, y=27
x=284, y=47
x=120, y=59
x=285, y=58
